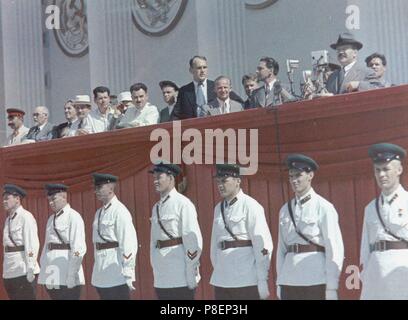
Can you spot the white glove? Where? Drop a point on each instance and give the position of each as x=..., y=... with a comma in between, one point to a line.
x=278, y=292
x=331, y=295
x=263, y=289
x=71, y=283
x=30, y=275
x=129, y=283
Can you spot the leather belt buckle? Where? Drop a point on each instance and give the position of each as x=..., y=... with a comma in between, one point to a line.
x=49, y=246
x=381, y=246
x=158, y=245
x=296, y=248
x=222, y=245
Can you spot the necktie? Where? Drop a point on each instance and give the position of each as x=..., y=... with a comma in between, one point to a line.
x=340, y=79
x=200, y=99
x=36, y=131
x=80, y=124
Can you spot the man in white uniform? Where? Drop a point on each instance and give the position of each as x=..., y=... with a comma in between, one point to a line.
x=115, y=243
x=384, y=245
x=15, y=119
x=21, y=245
x=310, y=248
x=64, y=248
x=176, y=241
x=241, y=243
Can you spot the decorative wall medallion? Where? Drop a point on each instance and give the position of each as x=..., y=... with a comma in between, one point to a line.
x=72, y=37
x=259, y=4
x=157, y=17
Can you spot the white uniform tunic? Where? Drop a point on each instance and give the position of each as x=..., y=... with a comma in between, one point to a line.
x=58, y=265
x=246, y=266
x=385, y=274
x=317, y=220
x=23, y=230
x=113, y=266
x=172, y=265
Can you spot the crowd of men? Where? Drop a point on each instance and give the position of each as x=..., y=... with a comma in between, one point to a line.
x=200, y=98
x=309, y=257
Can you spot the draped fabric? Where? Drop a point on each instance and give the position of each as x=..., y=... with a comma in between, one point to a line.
x=335, y=131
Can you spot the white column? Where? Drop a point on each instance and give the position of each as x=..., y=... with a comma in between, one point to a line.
x=22, y=57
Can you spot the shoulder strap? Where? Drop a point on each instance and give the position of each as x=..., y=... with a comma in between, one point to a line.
x=99, y=222
x=377, y=208
x=9, y=232
x=56, y=231
x=296, y=228
x=225, y=223
x=159, y=220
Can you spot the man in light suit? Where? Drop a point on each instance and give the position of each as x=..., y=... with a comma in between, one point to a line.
x=197, y=93
x=170, y=91
x=42, y=131
x=222, y=104
x=271, y=93
x=348, y=77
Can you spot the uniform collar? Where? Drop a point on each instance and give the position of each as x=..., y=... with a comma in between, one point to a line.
x=306, y=198
x=393, y=196
x=234, y=200
x=15, y=213
x=63, y=210
x=110, y=203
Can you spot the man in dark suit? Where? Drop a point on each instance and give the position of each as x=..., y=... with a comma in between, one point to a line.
x=222, y=104
x=271, y=93
x=170, y=91
x=250, y=83
x=348, y=77
x=196, y=94
x=42, y=131
x=63, y=130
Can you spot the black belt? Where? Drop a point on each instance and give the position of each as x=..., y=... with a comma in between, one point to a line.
x=58, y=246
x=106, y=245
x=384, y=245
x=224, y=245
x=160, y=244
x=302, y=248
x=14, y=249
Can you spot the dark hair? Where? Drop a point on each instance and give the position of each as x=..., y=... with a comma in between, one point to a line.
x=168, y=83
x=137, y=87
x=271, y=63
x=196, y=57
x=376, y=55
x=251, y=76
x=100, y=90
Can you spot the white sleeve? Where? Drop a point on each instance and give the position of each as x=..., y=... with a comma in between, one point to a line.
x=31, y=242
x=261, y=239
x=282, y=248
x=77, y=243
x=334, y=249
x=214, y=244
x=127, y=238
x=365, y=242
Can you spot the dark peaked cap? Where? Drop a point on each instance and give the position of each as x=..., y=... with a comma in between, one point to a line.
x=386, y=152
x=103, y=178
x=346, y=39
x=228, y=170
x=52, y=188
x=14, y=190
x=301, y=162
x=168, y=168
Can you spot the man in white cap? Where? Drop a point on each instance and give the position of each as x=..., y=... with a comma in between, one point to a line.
x=64, y=248
x=241, y=243
x=176, y=242
x=384, y=241
x=21, y=245
x=15, y=119
x=124, y=103
x=83, y=107
x=115, y=243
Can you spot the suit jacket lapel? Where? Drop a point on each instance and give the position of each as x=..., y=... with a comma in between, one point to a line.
x=210, y=91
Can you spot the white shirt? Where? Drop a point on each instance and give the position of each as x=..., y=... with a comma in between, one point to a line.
x=204, y=89
x=171, y=265
x=384, y=273
x=270, y=85
x=135, y=117
x=17, y=136
x=317, y=220
x=113, y=266
x=23, y=231
x=226, y=105
x=98, y=122
x=58, y=265
x=241, y=267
